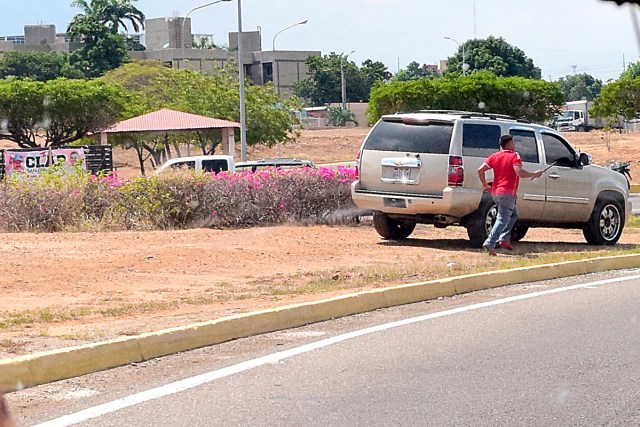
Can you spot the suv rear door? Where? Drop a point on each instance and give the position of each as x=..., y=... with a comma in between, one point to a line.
x=406, y=156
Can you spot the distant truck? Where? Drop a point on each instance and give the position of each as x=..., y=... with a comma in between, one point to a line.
x=575, y=117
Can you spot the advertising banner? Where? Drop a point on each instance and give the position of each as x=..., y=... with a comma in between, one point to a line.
x=32, y=163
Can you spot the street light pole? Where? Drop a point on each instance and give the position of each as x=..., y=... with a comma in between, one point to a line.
x=285, y=29
x=342, y=79
x=243, y=119
x=464, y=68
x=185, y=19
x=276, y=70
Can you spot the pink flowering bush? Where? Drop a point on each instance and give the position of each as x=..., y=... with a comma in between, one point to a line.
x=49, y=203
x=178, y=200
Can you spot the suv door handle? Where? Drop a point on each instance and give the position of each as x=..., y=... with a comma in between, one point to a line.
x=553, y=175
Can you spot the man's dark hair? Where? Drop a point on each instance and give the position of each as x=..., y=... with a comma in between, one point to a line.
x=505, y=139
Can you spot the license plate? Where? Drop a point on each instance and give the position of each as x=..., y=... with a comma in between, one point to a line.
x=402, y=173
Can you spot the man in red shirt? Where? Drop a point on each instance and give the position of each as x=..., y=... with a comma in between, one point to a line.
x=507, y=171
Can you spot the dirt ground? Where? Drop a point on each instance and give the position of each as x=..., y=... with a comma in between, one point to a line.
x=71, y=288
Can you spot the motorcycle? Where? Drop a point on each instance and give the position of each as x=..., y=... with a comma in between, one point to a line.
x=623, y=168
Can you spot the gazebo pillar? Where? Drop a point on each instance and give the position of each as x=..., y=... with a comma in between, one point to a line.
x=228, y=141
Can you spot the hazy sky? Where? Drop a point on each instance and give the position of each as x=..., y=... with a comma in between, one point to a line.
x=597, y=37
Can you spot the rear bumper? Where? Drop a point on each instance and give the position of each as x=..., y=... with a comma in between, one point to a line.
x=453, y=202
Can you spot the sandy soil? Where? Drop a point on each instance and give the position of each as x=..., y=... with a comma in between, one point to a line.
x=72, y=288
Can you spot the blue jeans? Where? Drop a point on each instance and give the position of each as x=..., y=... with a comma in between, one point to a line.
x=507, y=216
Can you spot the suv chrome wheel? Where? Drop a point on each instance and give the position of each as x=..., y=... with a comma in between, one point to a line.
x=605, y=225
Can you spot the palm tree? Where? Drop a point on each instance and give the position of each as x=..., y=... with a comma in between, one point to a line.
x=112, y=13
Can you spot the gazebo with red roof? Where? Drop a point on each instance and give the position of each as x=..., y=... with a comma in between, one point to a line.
x=166, y=120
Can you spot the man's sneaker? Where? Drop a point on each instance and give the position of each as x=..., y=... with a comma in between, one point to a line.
x=505, y=245
x=489, y=249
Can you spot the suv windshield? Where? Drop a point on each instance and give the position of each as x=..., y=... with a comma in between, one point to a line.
x=431, y=137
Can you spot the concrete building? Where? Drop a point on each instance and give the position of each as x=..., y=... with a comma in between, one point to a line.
x=42, y=38
x=169, y=40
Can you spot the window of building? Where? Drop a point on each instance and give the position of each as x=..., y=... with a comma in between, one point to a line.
x=267, y=72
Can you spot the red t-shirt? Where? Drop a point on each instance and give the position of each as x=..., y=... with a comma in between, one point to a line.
x=505, y=179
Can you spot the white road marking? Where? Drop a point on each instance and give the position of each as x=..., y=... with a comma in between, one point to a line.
x=178, y=386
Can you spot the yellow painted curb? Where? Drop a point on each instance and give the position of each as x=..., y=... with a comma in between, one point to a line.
x=635, y=188
x=46, y=367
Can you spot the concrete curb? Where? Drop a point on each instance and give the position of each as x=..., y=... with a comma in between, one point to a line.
x=50, y=366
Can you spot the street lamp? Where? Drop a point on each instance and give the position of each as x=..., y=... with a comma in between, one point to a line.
x=343, y=81
x=243, y=119
x=464, y=64
x=276, y=70
x=185, y=18
x=285, y=29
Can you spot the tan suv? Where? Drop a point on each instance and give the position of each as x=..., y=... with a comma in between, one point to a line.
x=421, y=168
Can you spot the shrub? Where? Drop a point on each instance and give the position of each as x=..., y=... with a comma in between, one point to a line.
x=56, y=201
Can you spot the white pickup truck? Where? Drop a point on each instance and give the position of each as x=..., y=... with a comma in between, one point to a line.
x=211, y=163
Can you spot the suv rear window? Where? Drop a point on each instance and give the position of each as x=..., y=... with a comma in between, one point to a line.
x=479, y=140
x=432, y=138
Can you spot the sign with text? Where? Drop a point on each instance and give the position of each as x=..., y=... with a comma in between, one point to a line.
x=32, y=163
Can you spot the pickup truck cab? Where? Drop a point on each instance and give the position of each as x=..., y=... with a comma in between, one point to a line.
x=210, y=163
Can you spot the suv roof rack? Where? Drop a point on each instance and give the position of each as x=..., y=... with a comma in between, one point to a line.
x=471, y=114
x=493, y=116
x=444, y=111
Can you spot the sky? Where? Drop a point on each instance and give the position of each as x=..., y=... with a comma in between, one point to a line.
x=560, y=36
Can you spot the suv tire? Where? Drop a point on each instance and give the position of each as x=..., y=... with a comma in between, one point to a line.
x=480, y=222
x=605, y=224
x=390, y=228
x=518, y=232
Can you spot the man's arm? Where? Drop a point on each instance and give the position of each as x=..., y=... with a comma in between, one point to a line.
x=522, y=173
x=481, y=171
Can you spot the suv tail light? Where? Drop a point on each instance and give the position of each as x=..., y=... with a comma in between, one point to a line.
x=455, y=177
x=357, y=167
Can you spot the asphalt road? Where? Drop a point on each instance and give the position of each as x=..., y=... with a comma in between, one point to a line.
x=562, y=352
x=635, y=203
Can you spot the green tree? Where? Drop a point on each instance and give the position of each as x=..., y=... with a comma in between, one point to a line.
x=57, y=112
x=619, y=98
x=324, y=84
x=632, y=71
x=112, y=13
x=102, y=49
x=40, y=66
x=580, y=86
x=373, y=72
x=494, y=55
x=152, y=86
x=415, y=71
x=535, y=100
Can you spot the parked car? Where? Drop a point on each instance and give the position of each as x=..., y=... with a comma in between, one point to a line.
x=422, y=168
x=211, y=163
x=279, y=163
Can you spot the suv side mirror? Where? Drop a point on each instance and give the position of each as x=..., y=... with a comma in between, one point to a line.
x=584, y=159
